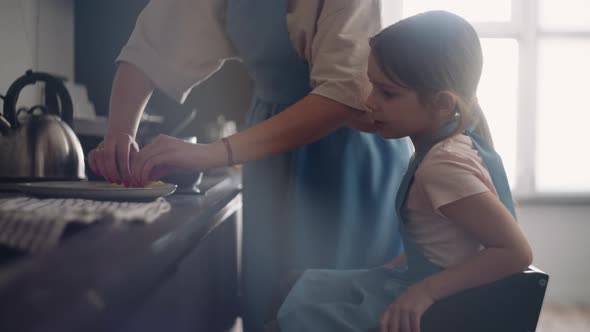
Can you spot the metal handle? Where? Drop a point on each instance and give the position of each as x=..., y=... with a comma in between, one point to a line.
x=53, y=86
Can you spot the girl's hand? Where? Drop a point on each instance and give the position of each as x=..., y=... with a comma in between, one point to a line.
x=112, y=158
x=165, y=155
x=404, y=314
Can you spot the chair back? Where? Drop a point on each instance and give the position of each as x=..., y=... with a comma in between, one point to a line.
x=511, y=304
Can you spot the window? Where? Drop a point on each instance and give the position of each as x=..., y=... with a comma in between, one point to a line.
x=472, y=10
x=533, y=87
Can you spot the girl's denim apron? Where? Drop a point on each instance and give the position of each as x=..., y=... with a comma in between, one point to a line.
x=331, y=300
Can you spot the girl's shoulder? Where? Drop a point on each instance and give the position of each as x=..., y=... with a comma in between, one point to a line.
x=452, y=170
x=452, y=155
x=457, y=147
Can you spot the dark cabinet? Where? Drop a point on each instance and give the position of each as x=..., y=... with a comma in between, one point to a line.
x=200, y=294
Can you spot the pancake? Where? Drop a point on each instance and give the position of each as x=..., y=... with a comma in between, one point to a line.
x=105, y=185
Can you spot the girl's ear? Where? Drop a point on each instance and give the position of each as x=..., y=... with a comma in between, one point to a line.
x=445, y=104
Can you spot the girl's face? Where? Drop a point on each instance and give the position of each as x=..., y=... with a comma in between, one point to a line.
x=397, y=111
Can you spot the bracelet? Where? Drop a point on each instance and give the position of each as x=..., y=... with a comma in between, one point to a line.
x=230, y=155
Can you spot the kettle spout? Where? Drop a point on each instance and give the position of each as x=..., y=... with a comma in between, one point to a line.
x=5, y=127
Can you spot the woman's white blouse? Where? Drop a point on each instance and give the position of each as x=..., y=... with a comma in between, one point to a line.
x=180, y=43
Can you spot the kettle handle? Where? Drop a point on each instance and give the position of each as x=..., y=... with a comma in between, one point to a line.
x=30, y=77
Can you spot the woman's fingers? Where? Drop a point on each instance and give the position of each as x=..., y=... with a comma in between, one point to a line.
x=394, y=322
x=111, y=159
x=125, y=149
x=405, y=321
x=132, y=156
x=415, y=321
x=139, y=157
x=109, y=162
x=92, y=162
x=162, y=156
x=122, y=162
x=363, y=121
x=101, y=163
x=139, y=161
x=158, y=147
x=95, y=160
x=384, y=323
x=390, y=322
x=158, y=161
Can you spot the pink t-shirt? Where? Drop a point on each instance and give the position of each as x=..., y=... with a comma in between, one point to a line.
x=452, y=170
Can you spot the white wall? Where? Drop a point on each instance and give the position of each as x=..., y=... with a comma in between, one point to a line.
x=560, y=237
x=38, y=35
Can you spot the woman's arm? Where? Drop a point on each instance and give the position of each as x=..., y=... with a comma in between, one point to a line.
x=175, y=45
x=304, y=122
x=506, y=249
x=333, y=38
x=130, y=93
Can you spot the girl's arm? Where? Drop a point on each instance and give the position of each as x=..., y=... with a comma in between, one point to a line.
x=506, y=249
x=506, y=252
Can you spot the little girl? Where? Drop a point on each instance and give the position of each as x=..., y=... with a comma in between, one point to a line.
x=458, y=226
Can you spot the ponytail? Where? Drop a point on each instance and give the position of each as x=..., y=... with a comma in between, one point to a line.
x=480, y=125
x=473, y=119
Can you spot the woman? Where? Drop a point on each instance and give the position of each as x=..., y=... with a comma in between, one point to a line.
x=317, y=193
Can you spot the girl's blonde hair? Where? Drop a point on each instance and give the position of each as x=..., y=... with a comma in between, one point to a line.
x=432, y=52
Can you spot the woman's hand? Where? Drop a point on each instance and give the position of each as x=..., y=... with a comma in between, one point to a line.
x=399, y=260
x=404, y=314
x=165, y=155
x=363, y=121
x=112, y=158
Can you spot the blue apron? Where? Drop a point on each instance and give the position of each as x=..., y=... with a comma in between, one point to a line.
x=330, y=300
x=325, y=205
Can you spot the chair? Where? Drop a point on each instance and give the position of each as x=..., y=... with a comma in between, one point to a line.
x=512, y=304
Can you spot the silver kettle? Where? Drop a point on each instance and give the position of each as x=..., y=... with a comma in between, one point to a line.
x=39, y=143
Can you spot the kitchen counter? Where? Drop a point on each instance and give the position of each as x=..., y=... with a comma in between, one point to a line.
x=177, y=274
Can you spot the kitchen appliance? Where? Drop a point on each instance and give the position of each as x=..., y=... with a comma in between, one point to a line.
x=38, y=143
